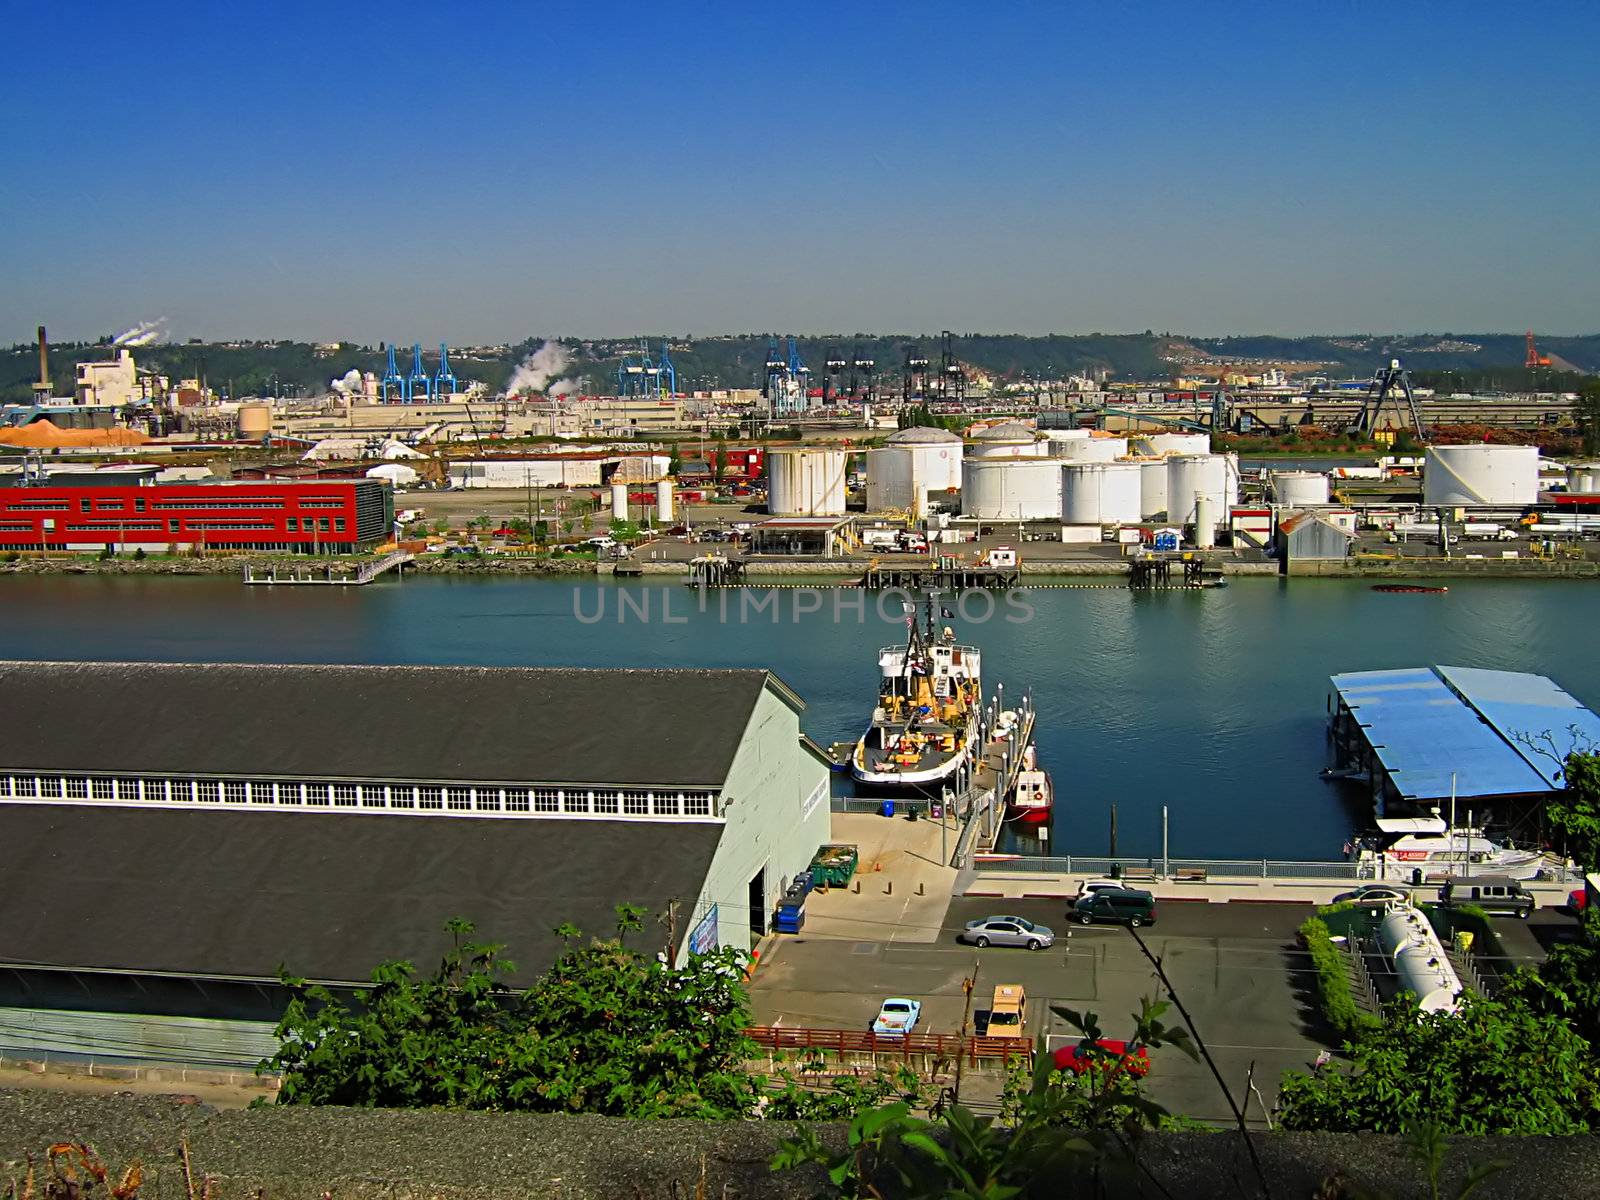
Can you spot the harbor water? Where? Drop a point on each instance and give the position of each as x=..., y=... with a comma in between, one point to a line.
x=1211, y=703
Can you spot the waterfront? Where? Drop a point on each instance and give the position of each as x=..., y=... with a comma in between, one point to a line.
x=1209, y=702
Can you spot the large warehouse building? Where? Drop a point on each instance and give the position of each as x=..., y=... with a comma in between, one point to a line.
x=176, y=834
x=326, y=516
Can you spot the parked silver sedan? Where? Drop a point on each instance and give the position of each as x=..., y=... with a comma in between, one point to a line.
x=1007, y=931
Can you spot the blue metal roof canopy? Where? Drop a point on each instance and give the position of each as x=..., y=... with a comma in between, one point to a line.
x=1521, y=706
x=1423, y=731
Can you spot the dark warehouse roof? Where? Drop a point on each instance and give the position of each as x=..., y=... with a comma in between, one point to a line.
x=671, y=728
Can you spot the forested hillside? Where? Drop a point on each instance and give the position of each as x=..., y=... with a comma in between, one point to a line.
x=289, y=368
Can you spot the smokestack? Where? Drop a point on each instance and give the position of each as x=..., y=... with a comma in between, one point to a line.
x=42, y=389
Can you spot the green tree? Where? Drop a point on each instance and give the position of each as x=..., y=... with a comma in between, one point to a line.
x=1566, y=986
x=608, y=1030
x=1493, y=1067
x=541, y=532
x=1574, y=811
x=1588, y=414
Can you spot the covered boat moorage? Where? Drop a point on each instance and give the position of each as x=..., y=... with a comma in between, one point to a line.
x=1494, y=740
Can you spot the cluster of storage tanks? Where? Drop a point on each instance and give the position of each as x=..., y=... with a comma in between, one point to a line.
x=1083, y=478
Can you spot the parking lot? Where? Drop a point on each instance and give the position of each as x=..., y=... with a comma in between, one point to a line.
x=1236, y=967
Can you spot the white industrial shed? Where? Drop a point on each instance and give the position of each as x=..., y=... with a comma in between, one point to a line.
x=262, y=817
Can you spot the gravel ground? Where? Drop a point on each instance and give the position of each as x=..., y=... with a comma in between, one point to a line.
x=360, y=1154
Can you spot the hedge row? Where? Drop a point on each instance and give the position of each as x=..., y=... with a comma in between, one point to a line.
x=1333, y=984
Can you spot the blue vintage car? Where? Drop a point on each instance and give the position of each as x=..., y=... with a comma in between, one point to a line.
x=897, y=1017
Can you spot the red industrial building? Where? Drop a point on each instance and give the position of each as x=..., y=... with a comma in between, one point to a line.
x=327, y=516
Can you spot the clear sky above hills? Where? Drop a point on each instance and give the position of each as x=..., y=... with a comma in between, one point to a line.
x=477, y=172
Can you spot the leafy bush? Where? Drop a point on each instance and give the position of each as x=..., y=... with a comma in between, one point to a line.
x=606, y=1030
x=1333, y=985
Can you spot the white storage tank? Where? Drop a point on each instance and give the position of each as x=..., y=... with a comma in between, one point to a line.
x=1584, y=478
x=1296, y=489
x=1092, y=449
x=664, y=502
x=1173, y=443
x=1096, y=493
x=1006, y=440
x=1057, y=440
x=1152, y=487
x=1480, y=474
x=913, y=463
x=1189, y=475
x=1011, y=489
x=619, y=502
x=806, y=482
x=1419, y=959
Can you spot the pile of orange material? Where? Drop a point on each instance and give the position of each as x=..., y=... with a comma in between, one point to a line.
x=45, y=435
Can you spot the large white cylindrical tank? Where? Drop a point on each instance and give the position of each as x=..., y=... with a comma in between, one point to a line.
x=936, y=453
x=1480, y=474
x=891, y=473
x=1057, y=442
x=806, y=482
x=1092, y=449
x=1152, y=487
x=1011, y=489
x=1095, y=493
x=1584, y=478
x=1409, y=942
x=1173, y=443
x=1006, y=440
x=1299, y=488
x=664, y=502
x=1190, y=475
x=619, y=502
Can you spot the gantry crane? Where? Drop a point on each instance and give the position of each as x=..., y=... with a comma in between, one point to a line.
x=1393, y=381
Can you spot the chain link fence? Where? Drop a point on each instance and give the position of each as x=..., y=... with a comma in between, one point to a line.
x=1213, y=868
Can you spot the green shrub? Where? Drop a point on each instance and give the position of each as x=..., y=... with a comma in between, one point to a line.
x=10, y=556
x=1333, y=985
x=138, y=553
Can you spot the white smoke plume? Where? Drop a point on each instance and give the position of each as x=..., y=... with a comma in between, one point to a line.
x=542, y=371
x=349, y=384
x=145, y=333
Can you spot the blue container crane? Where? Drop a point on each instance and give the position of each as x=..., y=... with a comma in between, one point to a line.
x=668, y=378
x=775, y=369
x=392, y=377
x=444, y=375
x=418, y=375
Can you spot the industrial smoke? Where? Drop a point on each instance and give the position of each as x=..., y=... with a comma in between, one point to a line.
x=542, y=371
x=145, y=333
x=349, y=385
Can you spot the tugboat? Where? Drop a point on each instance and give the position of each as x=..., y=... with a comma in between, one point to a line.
x=925, y=725
x=1030, y=802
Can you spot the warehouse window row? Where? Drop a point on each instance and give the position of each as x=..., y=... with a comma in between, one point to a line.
x=632, y=803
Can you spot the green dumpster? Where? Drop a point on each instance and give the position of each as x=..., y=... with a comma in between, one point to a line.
x=834, y=865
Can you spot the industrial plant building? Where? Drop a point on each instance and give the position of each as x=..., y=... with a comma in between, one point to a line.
x=1493, y=742
x=323, y=819
x=333, y=516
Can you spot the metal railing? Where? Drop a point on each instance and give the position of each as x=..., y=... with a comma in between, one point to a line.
x=1213, y=868
x=855, y=1041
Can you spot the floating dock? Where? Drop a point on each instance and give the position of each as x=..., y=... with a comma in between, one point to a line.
x=366, y=573
x=981, y=807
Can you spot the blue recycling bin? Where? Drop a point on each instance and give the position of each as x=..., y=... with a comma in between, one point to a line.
x=886, y=809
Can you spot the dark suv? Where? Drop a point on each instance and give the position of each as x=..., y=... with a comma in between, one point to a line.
x=1122, y=905
x=1495, y=894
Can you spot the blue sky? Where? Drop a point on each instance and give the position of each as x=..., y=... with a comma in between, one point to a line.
x=479, y=172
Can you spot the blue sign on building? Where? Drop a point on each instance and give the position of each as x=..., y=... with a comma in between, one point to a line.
x=703, y=938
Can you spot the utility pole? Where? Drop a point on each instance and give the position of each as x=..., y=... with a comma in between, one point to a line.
x=967, y=986
x=672, y=935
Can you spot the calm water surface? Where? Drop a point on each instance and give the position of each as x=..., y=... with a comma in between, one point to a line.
x=1211, y=703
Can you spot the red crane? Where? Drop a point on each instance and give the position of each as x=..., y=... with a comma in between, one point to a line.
x=1535, y=359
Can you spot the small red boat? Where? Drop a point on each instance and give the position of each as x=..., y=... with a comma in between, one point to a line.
x=1407, y=587
x=1030, y=802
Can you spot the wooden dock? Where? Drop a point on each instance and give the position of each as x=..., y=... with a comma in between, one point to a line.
x=936, y=576
x=981, y=806
x=326, y=577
